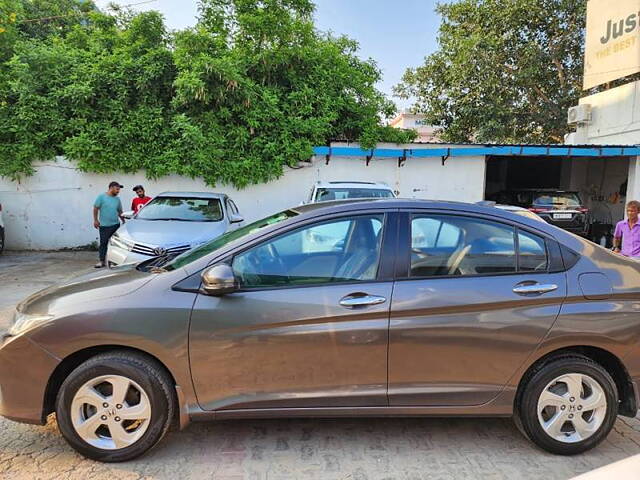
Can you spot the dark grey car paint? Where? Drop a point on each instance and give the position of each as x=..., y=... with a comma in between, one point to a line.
x=239, y=369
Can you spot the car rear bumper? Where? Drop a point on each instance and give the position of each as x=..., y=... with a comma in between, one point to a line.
x=25, y=369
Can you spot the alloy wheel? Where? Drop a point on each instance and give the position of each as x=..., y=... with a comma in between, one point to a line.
x=110, y=412
x=572, y=407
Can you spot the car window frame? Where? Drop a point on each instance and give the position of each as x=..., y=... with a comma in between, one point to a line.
x=403, y=264
x=386, y=262
x=231, y=206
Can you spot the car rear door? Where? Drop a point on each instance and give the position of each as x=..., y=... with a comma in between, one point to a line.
x=474, y=297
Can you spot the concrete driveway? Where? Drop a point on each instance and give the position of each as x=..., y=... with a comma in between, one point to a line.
x=355, y=449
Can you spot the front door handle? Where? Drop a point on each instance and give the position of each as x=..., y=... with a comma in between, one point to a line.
x=361, y=300
x=534, y=289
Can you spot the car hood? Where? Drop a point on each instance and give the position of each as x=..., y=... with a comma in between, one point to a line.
x=89, y=288
x=170, y=233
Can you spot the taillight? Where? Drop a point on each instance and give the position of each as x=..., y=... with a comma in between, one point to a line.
x=538, y=210
x=583, y=210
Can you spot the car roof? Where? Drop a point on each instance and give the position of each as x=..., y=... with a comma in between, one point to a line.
x=362, y=185
x=192, y=194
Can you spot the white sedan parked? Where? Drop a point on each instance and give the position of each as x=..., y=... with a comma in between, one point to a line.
x=171, y=224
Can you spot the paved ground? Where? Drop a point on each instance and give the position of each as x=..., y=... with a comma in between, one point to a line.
x=356, y=449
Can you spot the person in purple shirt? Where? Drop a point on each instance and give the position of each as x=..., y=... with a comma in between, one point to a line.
x=626, y=238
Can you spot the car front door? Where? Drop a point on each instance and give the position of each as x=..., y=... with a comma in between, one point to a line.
x=309, y=324
x=476, y=299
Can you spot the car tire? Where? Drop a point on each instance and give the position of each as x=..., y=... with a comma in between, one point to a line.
x=559, y=420
x=115, y=406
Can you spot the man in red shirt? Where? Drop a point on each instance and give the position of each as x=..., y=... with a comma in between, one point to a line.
x=141, y=200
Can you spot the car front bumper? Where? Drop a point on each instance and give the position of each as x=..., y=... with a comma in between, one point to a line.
x=121, y=256
x=25, y=370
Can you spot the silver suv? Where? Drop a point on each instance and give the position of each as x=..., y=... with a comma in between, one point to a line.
x=327, y=191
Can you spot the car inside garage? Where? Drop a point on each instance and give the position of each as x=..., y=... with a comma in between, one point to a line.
x=585, y=195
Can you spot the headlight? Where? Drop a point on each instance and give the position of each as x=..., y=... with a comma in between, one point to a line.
x=25, y=321
x=120, y=242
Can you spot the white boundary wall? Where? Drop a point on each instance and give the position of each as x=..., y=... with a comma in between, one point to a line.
x=52, y=208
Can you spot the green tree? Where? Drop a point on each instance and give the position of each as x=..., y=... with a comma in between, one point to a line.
x=247, y=91
x=505, y=70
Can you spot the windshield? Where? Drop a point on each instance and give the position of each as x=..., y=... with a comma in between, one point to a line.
x=327, y=194
x=185, y=209
x=565, y=199
x=207, y=248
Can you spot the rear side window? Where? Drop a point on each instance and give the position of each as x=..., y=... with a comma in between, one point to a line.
x=453, y=245
x=532, y=253
x=449, y=245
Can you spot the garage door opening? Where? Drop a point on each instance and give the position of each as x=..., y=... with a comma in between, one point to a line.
x=593, y=190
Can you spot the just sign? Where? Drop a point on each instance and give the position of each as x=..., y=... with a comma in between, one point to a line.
x=619, y=28
x=612, y=41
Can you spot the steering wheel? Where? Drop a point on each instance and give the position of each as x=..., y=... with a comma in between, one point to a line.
x=420, y=253
x=457, y=259
x=277, y=260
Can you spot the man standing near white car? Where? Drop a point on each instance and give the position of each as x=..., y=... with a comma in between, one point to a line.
x=107, y=213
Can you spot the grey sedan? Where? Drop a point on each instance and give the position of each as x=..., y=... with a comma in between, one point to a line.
x=375, y=307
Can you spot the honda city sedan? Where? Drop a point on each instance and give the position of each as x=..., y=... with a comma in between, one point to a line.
x=352, y=308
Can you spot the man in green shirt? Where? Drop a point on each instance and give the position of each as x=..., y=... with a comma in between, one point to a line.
x=107, y=213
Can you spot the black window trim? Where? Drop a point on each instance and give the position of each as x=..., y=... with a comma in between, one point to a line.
x=403, y=268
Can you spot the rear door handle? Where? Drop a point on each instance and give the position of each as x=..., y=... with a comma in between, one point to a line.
x=536, y=288
x=351, y=301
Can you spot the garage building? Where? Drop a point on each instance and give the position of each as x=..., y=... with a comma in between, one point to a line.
x=603, y=176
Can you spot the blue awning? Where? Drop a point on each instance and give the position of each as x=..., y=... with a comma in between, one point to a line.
x=484, y=150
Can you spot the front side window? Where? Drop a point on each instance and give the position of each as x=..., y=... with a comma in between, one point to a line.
x=225, y=239
x=182, y=208
x=340, y=250
x=451, y=245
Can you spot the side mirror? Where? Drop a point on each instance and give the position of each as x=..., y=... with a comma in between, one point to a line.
x=128, y=215
x=235, y=218
x=218, y=280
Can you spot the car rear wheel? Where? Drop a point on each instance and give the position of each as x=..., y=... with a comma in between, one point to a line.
x=115, y=406
x=568, y=406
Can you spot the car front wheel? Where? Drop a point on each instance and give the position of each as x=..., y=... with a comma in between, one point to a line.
x=115, y=406
x=568, y=406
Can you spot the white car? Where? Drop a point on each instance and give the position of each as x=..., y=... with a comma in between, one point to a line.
x=173, y=223
x=327, y=191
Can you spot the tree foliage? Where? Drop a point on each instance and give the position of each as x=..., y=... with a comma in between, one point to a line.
x=248, y=90
x=505, y=70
